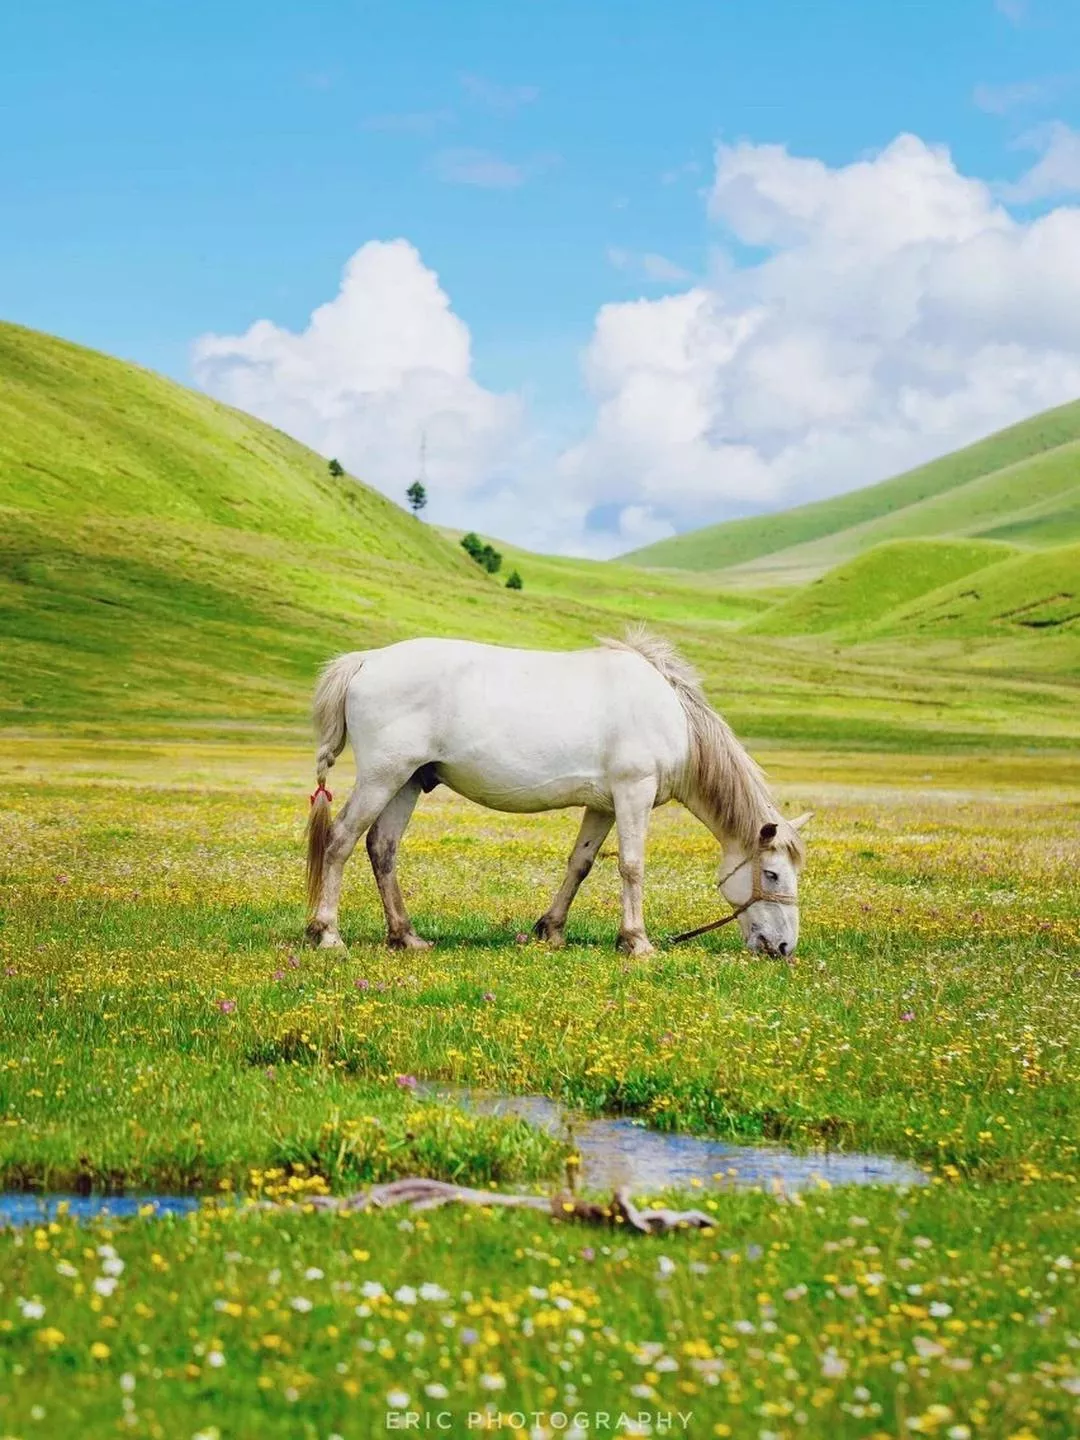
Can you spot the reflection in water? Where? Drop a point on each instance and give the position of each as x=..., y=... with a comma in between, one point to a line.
x=616, y=1151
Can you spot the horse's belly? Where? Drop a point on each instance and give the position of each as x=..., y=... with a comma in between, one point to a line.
x=501, y=788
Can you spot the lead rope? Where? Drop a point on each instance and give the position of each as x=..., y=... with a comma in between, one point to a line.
x=756, y=894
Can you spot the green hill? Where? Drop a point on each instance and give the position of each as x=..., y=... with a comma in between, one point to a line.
x=169, y=566
x=868, y=588
x=1021, y=484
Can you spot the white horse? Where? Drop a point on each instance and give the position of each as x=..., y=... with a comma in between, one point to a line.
x=618, y=730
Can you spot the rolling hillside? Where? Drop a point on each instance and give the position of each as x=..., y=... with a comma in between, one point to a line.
x=865, y=590
x=169, y=566
x=1021, y=485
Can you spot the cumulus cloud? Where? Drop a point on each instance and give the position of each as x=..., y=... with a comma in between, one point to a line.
x=381, y=364
x=501, y=99
x=855, y=320
x=894, y=309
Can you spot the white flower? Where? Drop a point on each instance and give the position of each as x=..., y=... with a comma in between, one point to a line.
x=666, y=1363
x=922, y=1243
x=1063, y=1262
x=927, y=1349
x=429, y=1291
x=313, y=1273
x=301, y=1303
x=397, y=1399
x=215, y=1358
x=833, y=1366
x=127, y=1382
x=642, y=1392
x=874, y=1277
x=371, y=1289
x=104, y=1284
x=65, y=1268
x=940, y=1310
x=856, y=1221
x=666, y=1265
x=492, y=1382
x=31, y=1309
x=436, y=1392
x=405, y=1295
x=112, y=1265
x=537, y=1293
x=107, y=1252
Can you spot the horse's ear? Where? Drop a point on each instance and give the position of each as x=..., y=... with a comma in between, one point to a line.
x=767, y=834
x=801, y=820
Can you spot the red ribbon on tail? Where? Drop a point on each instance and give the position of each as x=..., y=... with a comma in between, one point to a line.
x=321, y=789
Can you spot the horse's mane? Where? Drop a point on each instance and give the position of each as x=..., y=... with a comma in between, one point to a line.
x=721, y=774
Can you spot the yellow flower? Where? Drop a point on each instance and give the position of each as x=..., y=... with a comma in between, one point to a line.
x=51, y=1337
x=99, y=1350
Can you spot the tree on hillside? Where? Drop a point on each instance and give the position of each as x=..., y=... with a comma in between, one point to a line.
x=416, y=495
x=485, y=555
x=514, y=581
x=336, y=469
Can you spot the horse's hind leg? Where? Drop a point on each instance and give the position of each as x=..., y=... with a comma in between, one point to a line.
x=594, y=829
x=382, y=846
x=632, y=806
x=366, y=803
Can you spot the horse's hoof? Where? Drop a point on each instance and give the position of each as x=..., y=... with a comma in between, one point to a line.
x=409, y=941
x=553, y=935
x=331, y=940
x=637, y=946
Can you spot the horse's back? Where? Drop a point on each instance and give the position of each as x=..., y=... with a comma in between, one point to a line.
x=518, y=729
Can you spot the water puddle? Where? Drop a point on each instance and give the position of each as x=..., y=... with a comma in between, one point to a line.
x=26, y=1207
x=619, y=1151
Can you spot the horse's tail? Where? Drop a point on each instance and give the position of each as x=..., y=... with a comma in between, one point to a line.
x=329, y=714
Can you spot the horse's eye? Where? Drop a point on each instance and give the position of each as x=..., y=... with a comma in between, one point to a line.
x=771, y=875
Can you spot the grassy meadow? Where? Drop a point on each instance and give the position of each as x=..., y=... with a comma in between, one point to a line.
x=172, y=574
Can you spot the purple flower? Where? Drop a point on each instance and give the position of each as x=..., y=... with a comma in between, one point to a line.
x=278, y=974
x=469, y=1336
x=521, y=938
x=226, y=1006
x=294, y=962
x=362, y=984
x=489, y=995
x=63, y=879
x=10, y=970
x=907, y=1016
x=588, y=1253
x=407, y=1082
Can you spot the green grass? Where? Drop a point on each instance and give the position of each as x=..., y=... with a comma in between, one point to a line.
x=1025, y=476
x=169, y=566
x=868, y=588
x=157, y=1033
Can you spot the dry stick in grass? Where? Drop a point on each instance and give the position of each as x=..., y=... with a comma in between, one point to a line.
x=423, y=1194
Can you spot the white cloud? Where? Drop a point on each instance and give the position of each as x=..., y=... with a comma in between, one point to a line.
x=648, y=266
x=1057, y=171
x=1000, y=99
x=379, y=365
x=1015, y=11
x=487, y=171
x=855, y=320
x=897, y=311
x=502, y=99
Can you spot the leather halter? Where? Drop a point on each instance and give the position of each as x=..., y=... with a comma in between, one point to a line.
x=757, y=892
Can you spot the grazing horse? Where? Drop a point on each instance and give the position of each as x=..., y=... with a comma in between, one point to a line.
x=618, y=729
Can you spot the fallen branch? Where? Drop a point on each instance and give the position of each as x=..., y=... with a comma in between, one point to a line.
x=422, y=1194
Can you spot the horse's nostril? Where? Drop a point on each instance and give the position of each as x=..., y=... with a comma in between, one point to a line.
x=783, y=947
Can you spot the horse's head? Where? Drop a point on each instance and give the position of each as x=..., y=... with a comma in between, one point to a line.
x=762, y=886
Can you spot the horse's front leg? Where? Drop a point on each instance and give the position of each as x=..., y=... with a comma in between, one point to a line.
x=592, y=834
x=633, y=802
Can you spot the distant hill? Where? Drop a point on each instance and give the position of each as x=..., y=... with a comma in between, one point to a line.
x=862, y=591
x=172, y=567
x=1020, y=485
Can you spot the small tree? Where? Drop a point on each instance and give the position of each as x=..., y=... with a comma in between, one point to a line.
x=485, y=555
x=513, y=581
x=416, y=496
x=336, y=469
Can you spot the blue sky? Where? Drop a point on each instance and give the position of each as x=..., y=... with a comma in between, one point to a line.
x=168, y=171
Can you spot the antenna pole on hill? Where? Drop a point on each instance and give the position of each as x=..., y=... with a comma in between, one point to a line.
x=416, y=494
